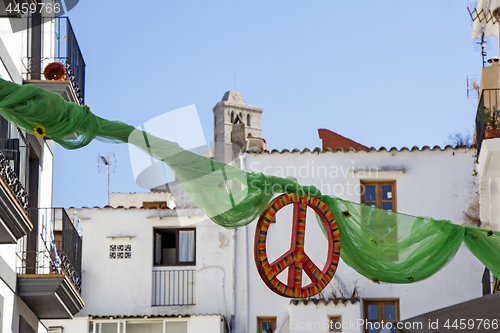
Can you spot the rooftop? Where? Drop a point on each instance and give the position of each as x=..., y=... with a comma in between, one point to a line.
x=233, y=97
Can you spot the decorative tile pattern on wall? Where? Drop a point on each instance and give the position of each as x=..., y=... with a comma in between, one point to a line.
x=120, y=251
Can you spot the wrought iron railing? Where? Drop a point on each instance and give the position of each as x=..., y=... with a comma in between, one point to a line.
x=66, y=52
x=61, y=248
x=173, y=287
x=14, y=161
x=487, y=112
x=13, y=182
x=15, y=148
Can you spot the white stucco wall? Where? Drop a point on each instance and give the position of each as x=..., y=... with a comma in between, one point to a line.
x=8, y=254
x=46, y=175
x=15, y=44
x=13, y=51
x=312, y=317
x=428, y=183
x=205, y=324
x=124, y=287
x=136, y=199
x=13, y=308
x=434, y=183
x=45, y=182
x=193, y=324
x=75, y=325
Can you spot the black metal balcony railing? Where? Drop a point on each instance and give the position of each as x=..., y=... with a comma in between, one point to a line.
x=487, y=109
x=61, y=250
x=14, y=161
x=66, y=52
x=173, y=287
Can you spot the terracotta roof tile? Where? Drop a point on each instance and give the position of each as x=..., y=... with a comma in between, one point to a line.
x=315, y=301
x=371, y=149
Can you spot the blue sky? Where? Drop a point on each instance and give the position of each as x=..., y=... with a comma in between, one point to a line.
x=389, y=73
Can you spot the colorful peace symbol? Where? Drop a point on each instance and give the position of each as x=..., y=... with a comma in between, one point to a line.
x=295, y=258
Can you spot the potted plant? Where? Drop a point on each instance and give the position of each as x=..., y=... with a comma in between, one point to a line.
x=491, y=120
x=55, y=71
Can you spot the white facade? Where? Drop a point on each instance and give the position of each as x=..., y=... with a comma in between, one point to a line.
x=489, y=153
x=23, y=258
x=121, y=292
x=429, y=182
x=136, y=291
x=12, y=307
x=139, y=199
x=227, y=291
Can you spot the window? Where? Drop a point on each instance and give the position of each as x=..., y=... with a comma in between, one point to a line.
x=154, y=204
x=377, y=310
x=334, y=323
x=266, y=324
x=174, y=247
x=380, y=194
x=381, y=225
x=248, y=120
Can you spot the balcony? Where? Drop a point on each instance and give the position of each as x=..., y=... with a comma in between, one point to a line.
x=488, y=156
x=173, y=286
x=60, y=69
x=49, y=280
x=14, y=160
x=487, y=118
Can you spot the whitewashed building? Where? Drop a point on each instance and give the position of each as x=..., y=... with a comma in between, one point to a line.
x=153, y=269
x=40, y=250
x=421, y=182
x=488, y=146
x=168, y=270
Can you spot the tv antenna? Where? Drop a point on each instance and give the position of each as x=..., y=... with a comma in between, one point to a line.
x=106, y=163
x=473, y=82
x=482, y=46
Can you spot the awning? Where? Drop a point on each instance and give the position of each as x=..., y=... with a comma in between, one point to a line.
x=484, y=17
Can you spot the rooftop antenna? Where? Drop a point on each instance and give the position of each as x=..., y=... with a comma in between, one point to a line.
x=473, y=82
x=486, y=17
x=482, y=46
x=483, y=49
x=106, y=162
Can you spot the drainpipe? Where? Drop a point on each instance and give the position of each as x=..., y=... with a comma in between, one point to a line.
x=247, y=268
x=247, y=283
x=233, y=318
x=282, y=322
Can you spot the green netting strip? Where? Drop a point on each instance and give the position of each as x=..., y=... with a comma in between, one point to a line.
x=381, y=245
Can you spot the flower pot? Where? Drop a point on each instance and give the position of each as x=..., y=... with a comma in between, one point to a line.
x=55, y=71
x=491, y=133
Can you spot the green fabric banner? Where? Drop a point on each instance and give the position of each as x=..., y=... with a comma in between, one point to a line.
x=383, y=246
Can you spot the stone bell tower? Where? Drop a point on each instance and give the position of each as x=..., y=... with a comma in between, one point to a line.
x=234, y=121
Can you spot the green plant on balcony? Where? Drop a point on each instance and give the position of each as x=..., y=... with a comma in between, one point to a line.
x=491, y=122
